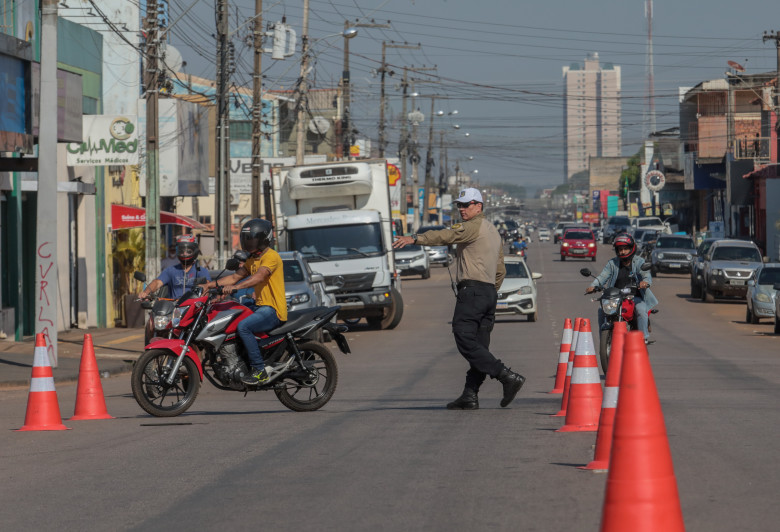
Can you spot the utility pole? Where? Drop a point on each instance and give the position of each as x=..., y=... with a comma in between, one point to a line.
x=415, y=117
x=257, y=110
x=303, y=90
x=429, y=162
x=775, y=36
x=442, y=176
x=46, y=273
x=343, y=150
x=403, y=148
x=222, y=188
x=152, y=85
x=382, y=103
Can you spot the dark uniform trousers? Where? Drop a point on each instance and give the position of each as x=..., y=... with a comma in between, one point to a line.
x=472, y=322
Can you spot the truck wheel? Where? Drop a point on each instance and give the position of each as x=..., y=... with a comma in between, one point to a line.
x=393, y=313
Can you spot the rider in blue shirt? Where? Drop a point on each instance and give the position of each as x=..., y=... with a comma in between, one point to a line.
x=180, y=277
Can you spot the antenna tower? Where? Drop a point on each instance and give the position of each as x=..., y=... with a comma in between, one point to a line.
x=650, y=118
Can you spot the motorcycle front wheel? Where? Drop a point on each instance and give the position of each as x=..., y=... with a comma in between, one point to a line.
x=311, y=388
x=154, y=394
x=605, y=345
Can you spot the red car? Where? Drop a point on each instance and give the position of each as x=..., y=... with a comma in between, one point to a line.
x=578, y=242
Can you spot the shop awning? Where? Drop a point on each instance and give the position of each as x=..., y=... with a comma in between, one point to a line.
x=127, y=217
x=767, y=171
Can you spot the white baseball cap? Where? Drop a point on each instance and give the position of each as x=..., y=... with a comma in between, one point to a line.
x=468, y=195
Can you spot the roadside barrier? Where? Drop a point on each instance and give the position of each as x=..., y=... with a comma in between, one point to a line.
x=569, y=368
x=43, y=409
x=600, y=461
x=585, y=394
x=563, y=357
x=641, y=491
x=90, y=401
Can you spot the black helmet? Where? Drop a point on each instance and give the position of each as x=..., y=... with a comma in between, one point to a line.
x=187, y=249
x=625, y=240
x=256, y=235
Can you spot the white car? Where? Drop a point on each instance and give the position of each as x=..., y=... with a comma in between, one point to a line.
x=517, y=294
x=650, y=222
x=413, y=260
x=544, y=235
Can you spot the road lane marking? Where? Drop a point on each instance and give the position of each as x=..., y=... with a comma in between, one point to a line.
x=122, y=340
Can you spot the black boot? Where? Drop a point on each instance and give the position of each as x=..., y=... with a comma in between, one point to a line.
x=512, y=383
x=467, y=401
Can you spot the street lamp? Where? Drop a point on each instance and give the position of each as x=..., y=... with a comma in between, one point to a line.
x=346, y=142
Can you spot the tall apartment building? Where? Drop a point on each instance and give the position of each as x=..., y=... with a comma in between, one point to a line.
x=591, y=113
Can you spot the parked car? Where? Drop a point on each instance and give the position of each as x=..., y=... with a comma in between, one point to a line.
x=437, y=254
x=729, y=265
x=517, y=294
x=698, y=266
x=615, y=225
x=761, y=293
x=544, y=235
x=672, y=254
x=413, y=260
x=650, y=222
x=578, y=242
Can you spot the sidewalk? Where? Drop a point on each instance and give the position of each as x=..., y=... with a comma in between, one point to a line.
x=115, y=350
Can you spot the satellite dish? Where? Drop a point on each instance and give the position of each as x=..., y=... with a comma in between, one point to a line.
x=173, y=59
x=736, y=66
x=319, y=125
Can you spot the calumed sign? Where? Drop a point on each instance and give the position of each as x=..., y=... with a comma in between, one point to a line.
x=108, y=141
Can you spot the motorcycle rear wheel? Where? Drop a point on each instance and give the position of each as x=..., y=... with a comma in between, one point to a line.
x=153, y=394
x=301, y=395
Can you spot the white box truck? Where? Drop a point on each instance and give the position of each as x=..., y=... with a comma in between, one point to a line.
x=338, y=216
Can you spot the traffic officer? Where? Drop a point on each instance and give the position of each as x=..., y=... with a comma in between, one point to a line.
x=480, y=272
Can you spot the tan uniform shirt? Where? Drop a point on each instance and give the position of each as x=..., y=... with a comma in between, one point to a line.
x=480, y=253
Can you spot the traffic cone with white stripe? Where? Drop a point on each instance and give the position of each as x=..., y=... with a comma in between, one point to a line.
x=569, y=368
x=563, y=357
x=600, y=461
x=43, y=409
x=641, y=491
x=90, y=402
x=585, y=394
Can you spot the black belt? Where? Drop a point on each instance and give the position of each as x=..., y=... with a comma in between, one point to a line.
x=471, y=282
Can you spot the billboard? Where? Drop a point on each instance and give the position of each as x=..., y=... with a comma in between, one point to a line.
x=107, y=140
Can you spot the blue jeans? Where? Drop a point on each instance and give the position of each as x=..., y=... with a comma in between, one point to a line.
x=263, y=320
x=640, y=310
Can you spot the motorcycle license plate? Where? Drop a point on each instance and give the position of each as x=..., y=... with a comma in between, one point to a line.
x=737, y=283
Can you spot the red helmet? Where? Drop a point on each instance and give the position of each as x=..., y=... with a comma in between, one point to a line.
x=187, y=249
x=627, y=241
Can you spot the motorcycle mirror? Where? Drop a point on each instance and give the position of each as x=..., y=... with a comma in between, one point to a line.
x=146, y=304
x=139, y=276
x=585, y=272
x=232, y=264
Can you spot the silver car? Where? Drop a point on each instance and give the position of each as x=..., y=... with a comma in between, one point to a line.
x=729, y=265
x=302, y=287
x=761, y=293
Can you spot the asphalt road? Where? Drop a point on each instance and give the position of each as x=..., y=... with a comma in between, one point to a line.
x=384, y=454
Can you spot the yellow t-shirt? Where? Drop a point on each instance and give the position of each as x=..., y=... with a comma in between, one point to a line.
x=271, y=292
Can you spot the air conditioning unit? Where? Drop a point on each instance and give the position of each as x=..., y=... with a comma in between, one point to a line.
x=234, y=198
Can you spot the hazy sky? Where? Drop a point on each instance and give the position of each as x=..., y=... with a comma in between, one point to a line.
x=499, y=64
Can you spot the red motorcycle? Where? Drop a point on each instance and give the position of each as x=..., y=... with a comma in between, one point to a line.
x=617, y=305
x=203, y=343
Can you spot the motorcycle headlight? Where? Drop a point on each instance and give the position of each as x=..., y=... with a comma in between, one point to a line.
x=297, y=299
x=525, y=290
x=609, y=306
x=178, y=314
x=162, y=322
x=763, y=297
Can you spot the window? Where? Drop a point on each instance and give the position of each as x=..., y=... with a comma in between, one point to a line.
x=736, y=253
x=516, y=270
x=240, y=130
x=293, y=273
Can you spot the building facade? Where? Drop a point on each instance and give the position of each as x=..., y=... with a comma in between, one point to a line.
x=591, y=113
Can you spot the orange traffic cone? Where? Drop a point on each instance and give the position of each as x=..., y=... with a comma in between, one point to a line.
x=641, y=489
x=585, y=395
x=563, y=357
x=90, y=402
x=569, y=368
x=43, y=409
x=609, y=404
